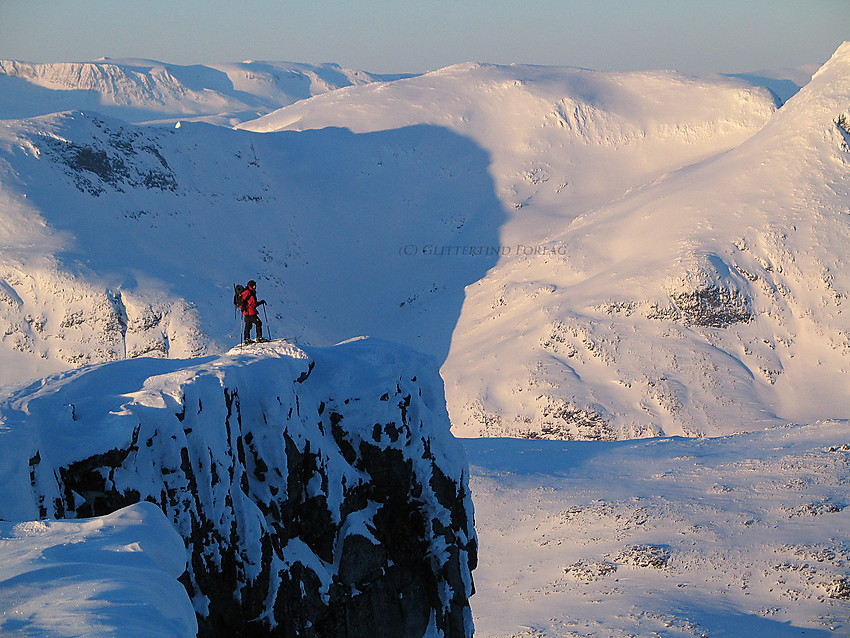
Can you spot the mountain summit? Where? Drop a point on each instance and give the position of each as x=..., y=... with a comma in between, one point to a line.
x=707, y=302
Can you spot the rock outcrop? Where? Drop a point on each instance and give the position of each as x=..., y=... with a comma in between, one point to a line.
x=319, y=491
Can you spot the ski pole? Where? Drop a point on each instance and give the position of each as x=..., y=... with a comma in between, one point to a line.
x=266, y=317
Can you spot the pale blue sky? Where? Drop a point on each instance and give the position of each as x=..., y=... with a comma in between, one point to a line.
x=383, y=36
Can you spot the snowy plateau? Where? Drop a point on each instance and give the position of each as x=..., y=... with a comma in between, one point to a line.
x=607, y=312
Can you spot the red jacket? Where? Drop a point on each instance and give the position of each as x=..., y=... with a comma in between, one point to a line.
x=249, y=302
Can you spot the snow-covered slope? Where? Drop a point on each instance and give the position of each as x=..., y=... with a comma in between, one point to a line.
x=319, y=491
x=745, y=535
x=114, y=575
x=146, y=90
x=710, y=301
x=560, y=140
x=706, y=300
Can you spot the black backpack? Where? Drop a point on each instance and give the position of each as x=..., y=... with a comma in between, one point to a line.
x=238, y=289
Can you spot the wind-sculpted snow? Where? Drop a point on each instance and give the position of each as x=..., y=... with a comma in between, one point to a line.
x=319, y=491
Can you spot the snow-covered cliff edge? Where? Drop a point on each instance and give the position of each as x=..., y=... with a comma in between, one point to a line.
x=319, y=491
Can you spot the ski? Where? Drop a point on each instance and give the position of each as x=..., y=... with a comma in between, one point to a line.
x=252, y=342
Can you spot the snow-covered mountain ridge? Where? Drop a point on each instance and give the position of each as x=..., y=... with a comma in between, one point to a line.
x=147, y=90
x=708, y=302
x=561, y=140
x=164, y=221
x=319, y=491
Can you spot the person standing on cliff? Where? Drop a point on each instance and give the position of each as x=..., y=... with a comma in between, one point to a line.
x=249, y=312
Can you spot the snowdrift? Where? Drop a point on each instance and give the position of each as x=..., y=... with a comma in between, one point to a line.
x=318, y=491
x=114, y=575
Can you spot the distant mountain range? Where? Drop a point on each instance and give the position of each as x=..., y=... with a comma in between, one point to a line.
x=147, y=90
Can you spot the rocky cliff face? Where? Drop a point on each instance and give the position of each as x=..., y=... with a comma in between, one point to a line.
x=319, y=492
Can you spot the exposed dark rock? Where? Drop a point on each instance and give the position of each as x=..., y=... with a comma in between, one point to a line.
x=644, y=556
x=564, y=421
x=843, y=124
x=838, y=588
x=713, y=307
x=589, y=570
x=119, y=158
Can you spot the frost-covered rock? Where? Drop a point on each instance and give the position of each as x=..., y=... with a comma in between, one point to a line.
x=319, y=491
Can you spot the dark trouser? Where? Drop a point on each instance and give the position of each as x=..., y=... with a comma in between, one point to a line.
x=255, y=320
